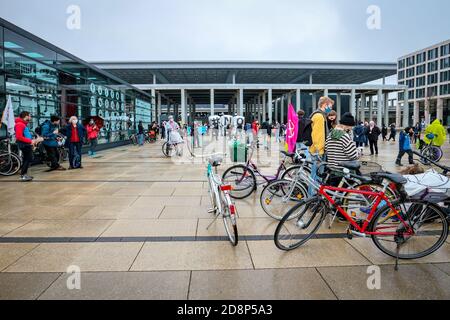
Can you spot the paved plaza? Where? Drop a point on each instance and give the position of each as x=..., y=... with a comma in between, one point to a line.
x=135, y=223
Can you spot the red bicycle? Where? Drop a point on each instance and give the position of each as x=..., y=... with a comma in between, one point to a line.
x=402, y=228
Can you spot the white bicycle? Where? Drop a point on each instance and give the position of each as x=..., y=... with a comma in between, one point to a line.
x=222, y=206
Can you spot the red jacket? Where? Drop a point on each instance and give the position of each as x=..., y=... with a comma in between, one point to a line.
x=92, y=132
x=22, y=132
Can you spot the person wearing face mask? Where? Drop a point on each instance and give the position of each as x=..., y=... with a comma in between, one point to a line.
x=92, y=134
x=25, y=142
x=75, y=136
x=331, y=120
x=373, y=132
x=319, y=132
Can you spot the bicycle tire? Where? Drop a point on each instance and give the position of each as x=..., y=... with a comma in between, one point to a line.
x=279, y=189
x=230, y=224
x=167, y=150
x=282, y=232
x=291, y=172
x=411, y=213
x=10, y=164
x=246, y=189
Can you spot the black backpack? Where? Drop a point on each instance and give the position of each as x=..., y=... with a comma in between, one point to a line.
x=305, y=129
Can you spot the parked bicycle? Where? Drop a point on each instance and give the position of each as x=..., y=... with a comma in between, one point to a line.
x=222, y=206
x=243, y=177
x=10, y=162
x=402, y=228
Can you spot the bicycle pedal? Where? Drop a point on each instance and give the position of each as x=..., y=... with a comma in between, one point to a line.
x=213, y=210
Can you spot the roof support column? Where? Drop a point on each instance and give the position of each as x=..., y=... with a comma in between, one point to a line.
x=158, y=108
x=282, y=103
x=398, y=115
x=241, y=102
x=212, y=103
x=406, y=110
x=314, y=102
x=370, y=108
x=297, y=95
x=386, y=109
x=269, y=105
x=264, y=107
x=427, y=112
x=338, y=106
x=325, y=92
x=353, y=102
x=380, y=108
x=440, y=109
x=276, y=110
x=416, y=112
x=183, y=106
x=362, y=116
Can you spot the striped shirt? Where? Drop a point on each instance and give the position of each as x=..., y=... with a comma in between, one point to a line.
x=340, y=150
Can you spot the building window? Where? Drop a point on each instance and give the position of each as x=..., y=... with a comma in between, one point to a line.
x=410, y=72
x=445, y=50
x=421, y=57
x=401, y=96
x=445, y=76
x=420, y=82
x=421, y=69
x=433, y=78
x=410, y=61
x=433, y=66
x=445, y=63
x=401, y=64
x=410, y=83
x=411, y=94
x=445, y=90
x=401, y=75
x=432, y=91
x=420, y=93
x=433, y=54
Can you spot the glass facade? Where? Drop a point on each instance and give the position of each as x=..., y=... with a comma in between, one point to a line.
x=45, y=81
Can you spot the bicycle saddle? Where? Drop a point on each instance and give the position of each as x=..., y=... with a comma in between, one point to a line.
x=394, y=177
x=351, y=165
x=287, y=154
x=215, y=161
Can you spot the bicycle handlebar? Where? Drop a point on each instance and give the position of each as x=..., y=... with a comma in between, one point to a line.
x=446, y=169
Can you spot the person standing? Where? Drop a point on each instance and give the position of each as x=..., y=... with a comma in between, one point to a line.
x=75, y=136
x=393, y=133
x=417, y=132
x=92, y=134
x=319, y=132
x=332, y=120
x=277, y=131
x=384, y=132
x=50, y=131
x=25, y=142
x=366, y=134
x=140, y=134
x=373, y=134
x=304, y=125
x=358, y=135
x=405, y=147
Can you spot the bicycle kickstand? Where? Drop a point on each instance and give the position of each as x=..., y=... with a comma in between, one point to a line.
x=217, y=216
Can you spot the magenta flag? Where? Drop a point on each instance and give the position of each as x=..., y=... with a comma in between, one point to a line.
x=292, y=129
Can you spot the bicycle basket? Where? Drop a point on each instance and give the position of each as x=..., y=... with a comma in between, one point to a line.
x=370, y=167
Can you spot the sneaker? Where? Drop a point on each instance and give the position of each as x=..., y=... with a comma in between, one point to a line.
x=61, y=168
x=26, y=178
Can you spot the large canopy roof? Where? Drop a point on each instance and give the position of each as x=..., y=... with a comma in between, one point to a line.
x=245, y=72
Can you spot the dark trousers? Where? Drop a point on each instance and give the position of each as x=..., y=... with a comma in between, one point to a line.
x=94, y=143
x=74, y=151
x=373, y=147
x=410, y=156
x=53, y=156
x=359, y=144
x=27, y=157
x=392, y=136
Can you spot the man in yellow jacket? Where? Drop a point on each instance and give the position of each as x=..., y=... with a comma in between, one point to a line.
x=319, y=135
x=319, y=126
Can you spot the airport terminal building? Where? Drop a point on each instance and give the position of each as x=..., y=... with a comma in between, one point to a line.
x=263, y=90
x=45, y=80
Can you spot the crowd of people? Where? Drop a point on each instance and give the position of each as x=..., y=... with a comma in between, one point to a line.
x=53, y=136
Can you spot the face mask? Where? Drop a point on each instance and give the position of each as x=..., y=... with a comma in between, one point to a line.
x=328, y=109
x=75, y=121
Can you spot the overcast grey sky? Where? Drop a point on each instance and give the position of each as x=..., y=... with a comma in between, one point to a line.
x=294, y=30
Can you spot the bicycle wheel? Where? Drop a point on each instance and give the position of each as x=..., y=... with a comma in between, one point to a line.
x=353, y=203
x=214, y=197
x=168, y=150
x=427, y=220
x=278, y=197
x=229, y=221
x=291, y=172
x=292, y=233
x=10, y=164
x=242, y=179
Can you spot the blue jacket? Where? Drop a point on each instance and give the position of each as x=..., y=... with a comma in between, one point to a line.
x=404, y=142
x=48, y=135
x=359, y=133
x=81, y=133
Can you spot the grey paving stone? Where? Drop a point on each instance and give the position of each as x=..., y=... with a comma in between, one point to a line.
x=411, y=282
x=271, y=284
x=25, y=286
x=123, y=286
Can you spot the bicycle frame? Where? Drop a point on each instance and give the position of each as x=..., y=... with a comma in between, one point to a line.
x=379, y=197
